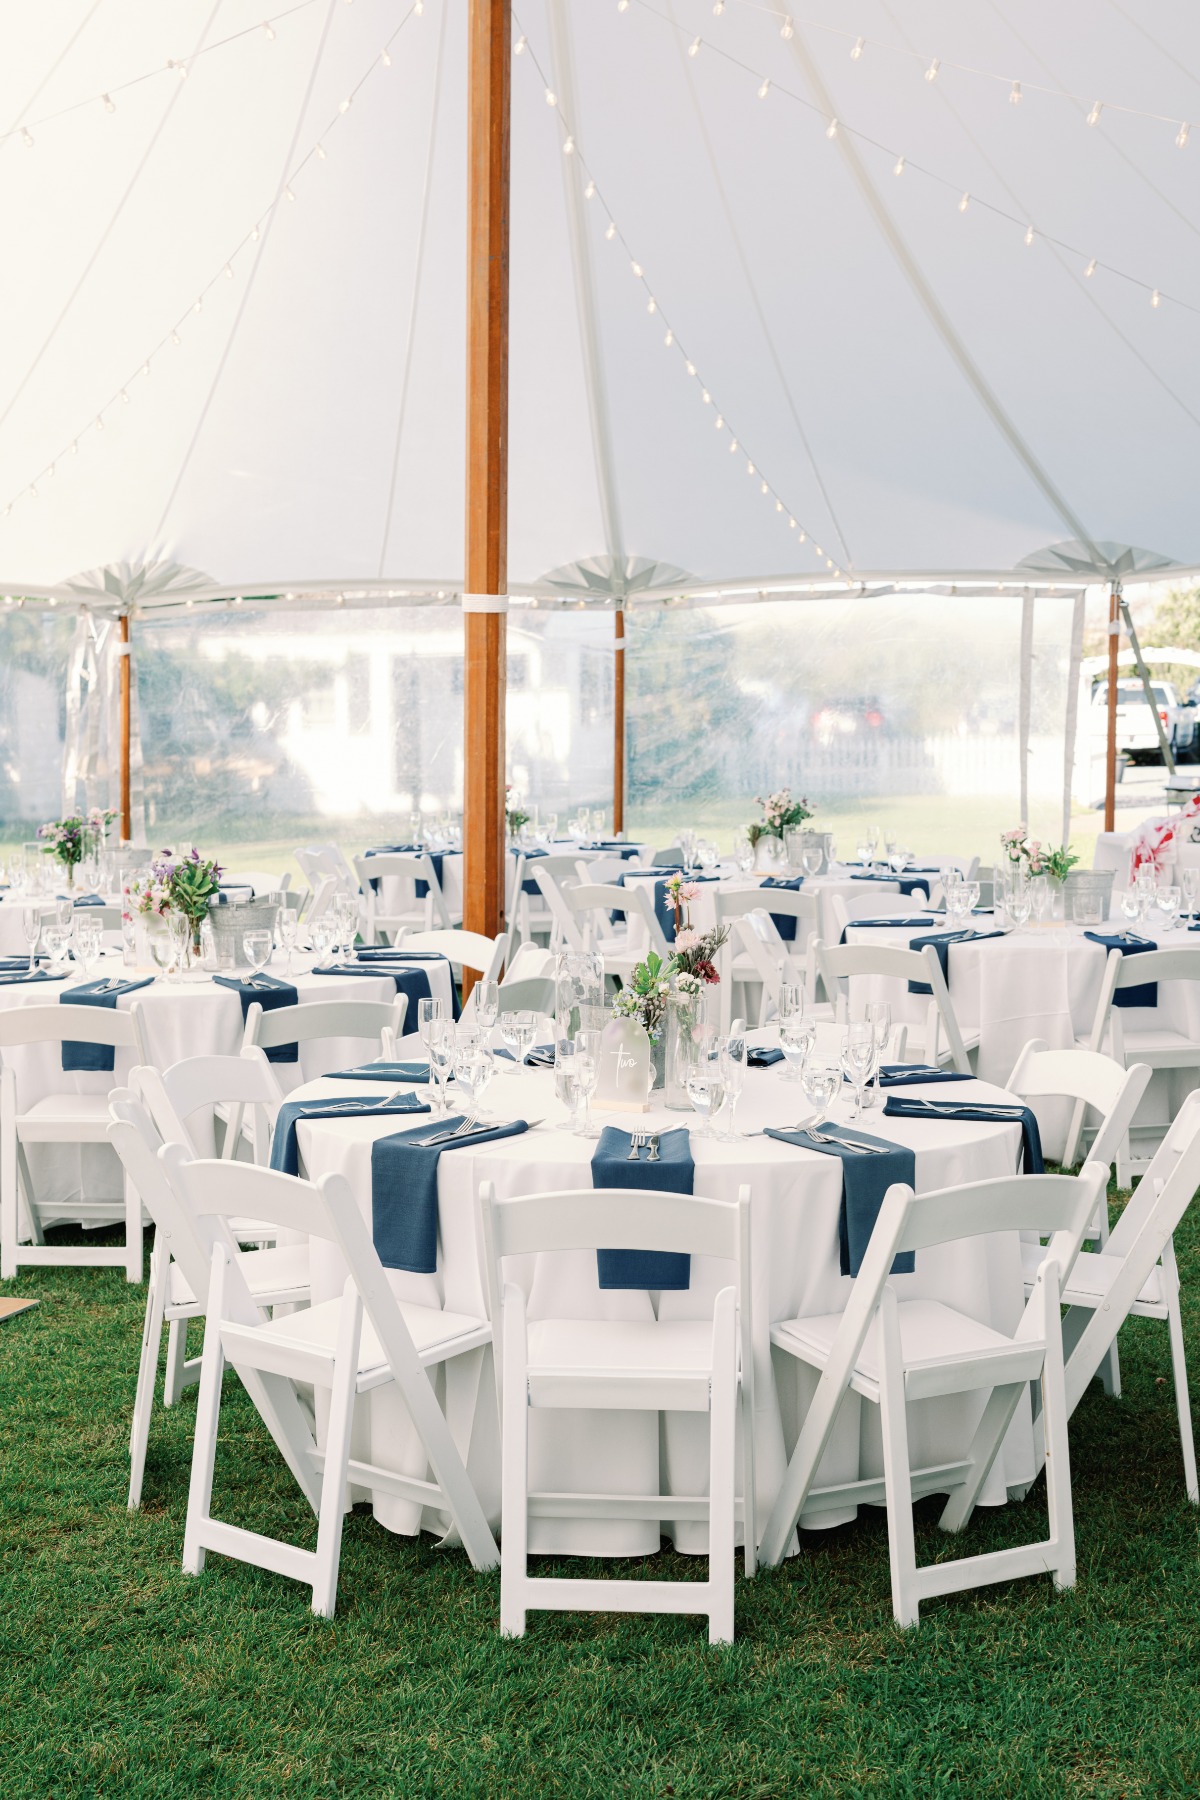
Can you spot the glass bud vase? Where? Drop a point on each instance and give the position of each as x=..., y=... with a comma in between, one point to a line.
x=685, y=1021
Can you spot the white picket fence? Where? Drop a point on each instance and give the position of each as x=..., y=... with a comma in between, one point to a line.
x=871, y=763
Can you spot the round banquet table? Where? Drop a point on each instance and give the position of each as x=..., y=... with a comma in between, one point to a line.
x=397, y=895
x=191, y=1017
x=703, y=911
x=794, y=1201
x=1043, y=982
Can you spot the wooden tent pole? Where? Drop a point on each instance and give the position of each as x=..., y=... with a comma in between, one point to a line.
x=1110, y=766
x=484, y=605
x=619, y=726
x=126, y=674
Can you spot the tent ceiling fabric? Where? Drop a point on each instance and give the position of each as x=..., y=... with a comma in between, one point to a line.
x=922, y=390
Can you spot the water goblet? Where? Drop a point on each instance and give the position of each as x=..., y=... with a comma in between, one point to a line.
x=811, y=857
x=345, y=913
x=1039, y=897
x=257, y=947
x=429, y=1014
x=416, y=829
x=473, y=1070
x=179, y=928
x=584, y=1076
x=743, y=853
x=86, y=942
x=1189, y=880
x=56, y=937
x=791, y=1000
x=1167, y=900
x=879, y=1016
x=733, y=1071
x=1019, y=902
x=64, y=913
x=858, y=1057
x=705, y=1085
x=320, y=934
x=285, y=929
x=822, y=1080
x=551, y=827
x=525, y=1031
x=1145, y=886
x=442, y=1046
x=1130, y=905
x=487, y=1003
x=797, y=1035
x=162, y=949
x=129, y=940
x=508, y=1032
x=971, y=889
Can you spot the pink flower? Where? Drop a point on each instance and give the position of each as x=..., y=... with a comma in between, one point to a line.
x=689, y=890
x=686, y=940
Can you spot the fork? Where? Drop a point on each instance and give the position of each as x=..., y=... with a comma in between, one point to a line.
x=819, y=1137
x=654, y=1156
x=637, y=1142
x=463, y=1129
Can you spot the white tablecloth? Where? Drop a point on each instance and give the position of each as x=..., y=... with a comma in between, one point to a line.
x=1043, y=982
x=703, y=910
x=795, y=1197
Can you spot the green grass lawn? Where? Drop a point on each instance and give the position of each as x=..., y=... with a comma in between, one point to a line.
x=120, y=1676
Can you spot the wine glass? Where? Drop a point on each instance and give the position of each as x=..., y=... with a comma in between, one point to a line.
x=879, y=1015
x=162, y=948
x=858, y=1057
x=791, y=1000
x=551, y=827
x=56, y=938
x=64, y=912
x=86, y=940
x=525, y=1032
x=1144, y=886
x=487, y=1003
x=91, y=874
x=811, y=856
x=822, y=1080
x=733, y=1071
x=971, y=889
x=285, y=927
x=706, y=1085
x=430, y=1013
x=1019, y=902
x=743, y=853
x=1039, y=897
x=508, y=1033
x=179, y=928
x=416, y=827
x=474, y=1067
x=582, y=1079
x=797, y=1035
x=345, y=913
x=442, y=1045
x=31, y=926
x=1130, y=905
x=1167, y=900
x=320, y=934
x=257, y=946
x=1189, y=877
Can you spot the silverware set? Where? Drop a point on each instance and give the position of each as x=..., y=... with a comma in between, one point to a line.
x=984, y=1108
x=643, y=1140
x=855, y=1145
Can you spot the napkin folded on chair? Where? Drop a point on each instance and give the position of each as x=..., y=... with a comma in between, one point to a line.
x=271, y=994
x=865, y=1181
x=901, y=920
x=893, y=1075
x=785, y=925
x=1146, y=993
x=413, y=982
x=906, y=1106
x=285, y=1153
x=673, y=1173
x=78, y=1057
x=404, y=1184
x=941, y=941
x=382, y=1071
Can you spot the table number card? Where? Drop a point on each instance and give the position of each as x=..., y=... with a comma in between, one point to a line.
x=624, y=1081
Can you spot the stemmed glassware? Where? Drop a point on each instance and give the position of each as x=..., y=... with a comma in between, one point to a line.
x=706, y=1084
x=429, y=1014
x=733, y=1071
x=442, y=1045
x=822, y=1080
x=487, y=1003
x=1145, y=885
x=518, y=1030
x=812, y=854
x=285, y=929
x=473, y=1070
x=1189, y=879
x=56, y=938
x=179, y=930
x=743, y=852
x=86, y=941
x=345, y=913
x=879, y=1016
x=1039, y=897
x=31, y=927
x=797, y=1035
x=1019, y=902
x=320, y=934
x=257, y=946
x=1130, y=905
x=858, y=1058
x=582, y=1078
x=1167, y=900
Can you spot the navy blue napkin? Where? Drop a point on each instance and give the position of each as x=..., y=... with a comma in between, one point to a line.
x=420, y=888
x=761, y=1057
x=15, y=980
x=404, y=1181
x=906, y=1106
x=410, y=981
x=94, y=1058
x=271, y=994
x=538, y=1056
x=894, y=1075
x=902, y=920
x=865, y=1180
x=673, y=1173
x=941, y=941
x=529, y=885
x=382, y=1071
x=285, y=1153
x=785, y=925
x=908, y=885
x=664, y=911
x=89, y=900
x=1147, y=993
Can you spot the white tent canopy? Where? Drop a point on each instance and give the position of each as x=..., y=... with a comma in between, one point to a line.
x=925, y=393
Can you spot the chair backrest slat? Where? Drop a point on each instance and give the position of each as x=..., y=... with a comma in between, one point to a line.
x=604, y=1218
x=73, y=1024
x=311, y=1019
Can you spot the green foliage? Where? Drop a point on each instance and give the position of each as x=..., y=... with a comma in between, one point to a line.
x=1176, y=625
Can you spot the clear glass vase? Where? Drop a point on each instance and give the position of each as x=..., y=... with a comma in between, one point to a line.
x=686, y=1015
x=578, y=1006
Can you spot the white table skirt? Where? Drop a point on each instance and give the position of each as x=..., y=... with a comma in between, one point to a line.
x=795, y=1200
x=703, y=910
x=192, y=1017
x=1043, y=982
x=397, y=896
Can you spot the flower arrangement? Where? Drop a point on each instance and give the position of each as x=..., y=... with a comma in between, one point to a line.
x=514, y=814
x=781, y=813
x=68, y=840
x=645, y=995
x=1029, y=856
x=183, y=884
x=691, y=967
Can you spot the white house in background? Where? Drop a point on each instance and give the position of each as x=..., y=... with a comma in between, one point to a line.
x=374, y=722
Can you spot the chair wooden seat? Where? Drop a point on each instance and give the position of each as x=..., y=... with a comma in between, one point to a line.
x=932, y=1336
x=314, y=1333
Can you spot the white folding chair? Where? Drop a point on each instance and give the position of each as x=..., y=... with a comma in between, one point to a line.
x=179, y=1273
x=553, y=880
x=1096, y=1083
x=363, y=1341
x=1159, y=1046
x=757, y=936
x=756, y=955
x=428, y=914
x=590, y=907
x=376, y=1021
x=873, y=906
x=669, y=1366
x=1135, y=1275
x=464, y=949
x=65, y=1118
x=939, y=1039
x=891, y=1351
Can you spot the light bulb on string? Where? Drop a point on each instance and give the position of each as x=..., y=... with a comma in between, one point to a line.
x=1155, y=298
x=750, y=469
x=652, y=305
x=110, y=105
x=519, y=46
x=706, y=397
x=26, y=137
x=589, y=192
x=288, y=194
x=51, y=472
x=637, y=269
x=228, y=271
x=385, y=58
x=344, y=105
x=1029, y=234
x=691, y=368
x=125, y=396
x=551, y=97
x=145, y=368
x=1091, y=269
x=1093, y=117
x=802, y=537
x=779, y=506
x=964, y=203
x=199, y=306
x=860, y=45
x=254, y=235
x=622, y=5
x=733, y=444
x=931, y=73
x=718, y=7
x=719, y=423
x=765, y=488
x=568, y=145
x=1182, y=135
x=1014, y=94
x=898, y=166
x=765, y=89
x=99, y=422
x=669, y=339
x=320, y=150
x=694, y=47
x=175, y=338
x=791, y=524
x=787, y=29
x=831, y=130
x=268, y=31
x=610, y=230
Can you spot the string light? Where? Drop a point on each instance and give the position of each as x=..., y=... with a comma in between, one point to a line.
x=1014, y=94
x=589, y=192
x=1093, y=117
x=1155, y=298
x=831, y=129
x=1029, y=234
x=519, y=47
x=931, y=73
x=27, y=137
x=860, y=45
x=268, y=31
x=385, y=59
x=637, y=269
x=694, y=47
x=568, y=146
x=765, y=89
x=1182, y=135
x=110, y=105
x=652, y=305
x=551, y=97
x=964, y=203
x=787, y=29
x=669, y=339
x=898, y=166
x=320, y=149
x=611, y=232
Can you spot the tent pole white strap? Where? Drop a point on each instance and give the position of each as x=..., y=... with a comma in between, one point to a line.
x=937, y=316
x=1075, y=658
x=485, y=603
x=585, y=301
x=1025, y=701
x=418, y=270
